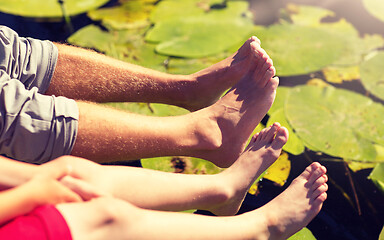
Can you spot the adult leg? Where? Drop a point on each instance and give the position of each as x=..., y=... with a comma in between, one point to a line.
x=85, y=75
x=289, y=212
x=217, y=133
x=222, y=194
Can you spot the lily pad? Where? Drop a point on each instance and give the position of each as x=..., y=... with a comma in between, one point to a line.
x=344, y=40
x=357, y=166
x=48, y=8
x=298, y=50
x=150, y=109
x=303, y=234
x=339, y=74
x=281, y=96
x=186, y=165
x=170, y=9
x=294, y=145
x=335, y=121
x=202, y=35
x=372, y=74
x=126, y=45
x=192, y=65
x=375, y=7
x=131, y=14
x=279, y=171
x=377, y=176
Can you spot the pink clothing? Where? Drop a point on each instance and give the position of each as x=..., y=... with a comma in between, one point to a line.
x=43, y=223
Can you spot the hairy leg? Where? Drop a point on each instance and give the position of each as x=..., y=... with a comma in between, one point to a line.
x=217, y=133
x=222, y=194
x=85, y=75
x=115, y=219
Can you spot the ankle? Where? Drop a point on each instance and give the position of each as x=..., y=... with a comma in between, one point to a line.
x=275, y=228
x=206, y=131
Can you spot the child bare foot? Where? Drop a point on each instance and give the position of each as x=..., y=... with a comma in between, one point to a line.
x=263, y=150
x=294, y=208
x=226, y=125
x=214, y=80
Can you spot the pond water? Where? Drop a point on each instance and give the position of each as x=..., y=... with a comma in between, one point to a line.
x=355, y=206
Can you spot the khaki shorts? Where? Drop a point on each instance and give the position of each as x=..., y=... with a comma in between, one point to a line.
x=34, y=127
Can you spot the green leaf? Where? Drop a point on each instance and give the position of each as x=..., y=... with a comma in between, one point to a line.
x=339, y=74
x=372, y=74
x=381, y=237
x=297, y=49
x=48, y=8
x=377, y=176
x=375, y=7
x=126, y=45
x=131, y=14
x=170, y=9
x=303, y=234
x=317, y=44
x=199, y=35
x=186, y=165
x=149, y=109
x=281, y=96
x=294, y=145
x=279, y=171
x=192, y=65
x=335, y=121
x=357, y=166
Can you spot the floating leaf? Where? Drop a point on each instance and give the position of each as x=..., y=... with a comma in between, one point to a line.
x=48, y=8
x=357, y=166
x=338, y=74
x=150, y=109
x=307, y=15
x=375, y=7
x=377, y=176
x=126, y=45
x=170, y=9
x=294, y=145
x=372, y=74
x=186, y=165
x=202, y=35
x=297, y=50
x=353, y=46
x=317, y=82
x=303, y=234
x=281, y=96
x=131, y=14
x=188, y=66
x=336, y=121
x=279, y=171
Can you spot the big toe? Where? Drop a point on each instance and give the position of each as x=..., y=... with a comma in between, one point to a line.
x=280, y=139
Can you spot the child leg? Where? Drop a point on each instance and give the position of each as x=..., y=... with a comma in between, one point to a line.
x=115, y=219
x=221, y=194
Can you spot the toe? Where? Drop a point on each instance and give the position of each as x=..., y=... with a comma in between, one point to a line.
x=320, y=190
x=281, y=138
x=307, y=173
x=319, y=172
x=320, y=181
x=272, y=132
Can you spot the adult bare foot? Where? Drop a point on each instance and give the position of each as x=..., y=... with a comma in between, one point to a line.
x=294, y=208
x=214, y=80
x=263, y=150
x=225, y=126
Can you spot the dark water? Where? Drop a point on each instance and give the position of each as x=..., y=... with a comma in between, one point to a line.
x=360, y=218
